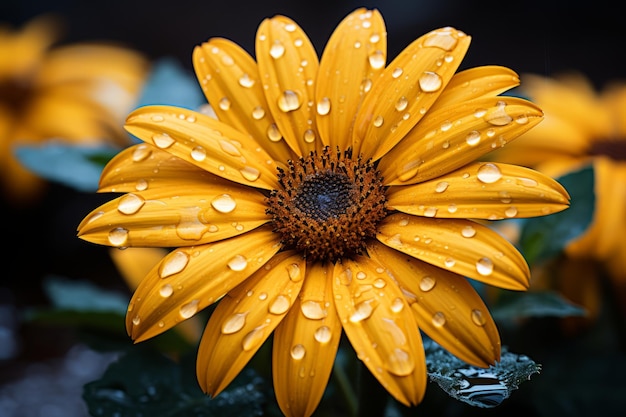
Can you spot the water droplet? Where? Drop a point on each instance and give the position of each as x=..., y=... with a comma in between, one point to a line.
x=452, y=208
x=441, y=186
x=280, y=304
x=238, y=263
x=130, y=203
x=258, y=113
x=522, y=119
x=313, y=310
x=141, y=185
x=449, y=262
x=362, y=311
x=427, y=283
x=439, y=319
x=141, y=152
x=400, y=362
x=402, y=103
x=510, y=212
x=254, y=338
x=173, y=264
x=224, y=203
x=229, y=148
x=246, y=81
x=136, y=320
x=250, y=173
x=309, y=136
x=484, y=266
x=234, y=323
x=289, y=101
x=323, y=106
x=361, y=275
x=430, y=212
x=298, y=351
x=489, y=173
x=397, y=72
x=443, y=39
x=430, y=82
x=478, y=318
x=157, y=118
x=468, y=231
x=323, y=334
x=397, y=305
x=224, y=103
x=479, y=113
x=378, y=121
x=499, y=116
x=198, y=153
x=377, y=59
x=273, y=133
x=380, y=283
x=277, y=50
x=295, y=274
x=163, y=140
x=118, y=236
x=527, y=182
x=445, y=126
x=473, y=138
x=366, y=85
x=189, y=309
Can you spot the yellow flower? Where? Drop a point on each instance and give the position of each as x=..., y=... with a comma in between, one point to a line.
x=77, y=93
x=332, y=195
x=582, y=127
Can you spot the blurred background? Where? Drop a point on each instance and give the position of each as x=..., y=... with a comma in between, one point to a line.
x=541, y=37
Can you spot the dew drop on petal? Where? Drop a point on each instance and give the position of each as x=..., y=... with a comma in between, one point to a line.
x=253, y=339
x=323, y=334
x=484, y=266
x=323, y=106
x=229, y=148
x=439, y=319
x=489, y=173
x=130, y=203
x=402, y=103
x=430, y=212
x=430, y=82
x=173, y=264
x=427, y=283
x=250, y=173
x=449, y=262
x=468, y=231
x=378, y=121
x=246, y=81
x=289, y=101
x=309, y=136
x=141, y=153
x=313, y=310
x=298, y=351
x=277, y=50
x=400, y=362
x=141, y=185
x=527, y=182
x=499, y=116
x=473, y=138
x=280, y=304
x=273, y=133
x=189, y=309
x=478, y=318
x=441, y=186
x=377, y=59
x=443, y=39
x=258, y=113
x=198, y=153
x=295, y=274
x=136, y=320
x=362, y=311
x=224, y=103
x=157, y=118
x=224, y=203
x=510, y=212
x=166, y=290
x=238, y=263
x=397, y=72
x=397, y=305
x=234, y=323
x=118, y=236
x=163, y=140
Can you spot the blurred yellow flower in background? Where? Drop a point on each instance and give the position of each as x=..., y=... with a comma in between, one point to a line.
x=582, y=126
x=331, y=195
x=79, y=93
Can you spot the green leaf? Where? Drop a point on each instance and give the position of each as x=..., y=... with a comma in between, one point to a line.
x=147, y=383
x=543, y=238
x=75, y=166
x=480, y=387
x=535, y=304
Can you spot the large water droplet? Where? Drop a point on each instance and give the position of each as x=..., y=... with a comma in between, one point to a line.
x=277, y=50
x=439, y=319
x=443, y=39
x=478, y=318
x=189, y=309
x=323, y=334
x=163, y=140
x=427, y=283
x=250, y=173
x=280, y=304
x=498, y=116
x=166, y=290
x=141, y=152
x=254, y=338
x=489, y=173
x=295, y=273
x=118, y=236
x=377, y=59
x=289, y=101
x=468, y=231
x=323, y=106
x=238, y=263
x=246, y=81
x=234, y=323
x=441, y=186
x=130, y=203
x=484, y=266
x=273, y=133
x=400, y=362
x=430, y=82
x=362, y=311
x=402, y=103
x=198, y=153
x=313, y=310
x=224, y=103
x=229, y=148
x=174, y=264
x=473, y=138
x=298, y=351
x=224, y=203
x=258, y=113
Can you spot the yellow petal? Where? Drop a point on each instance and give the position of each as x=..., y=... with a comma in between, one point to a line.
x=305, y=345
x=288, y=66
x=189, y=279
x=482, y=191
x=477, y=82
x=245, y=318
x=406, y=89
x=346, y=73
x=446, y=307
x=230, y=80
x=381, y=327
x=454, y=136
x=206, y=143
x=461, y=246
x=176, y=213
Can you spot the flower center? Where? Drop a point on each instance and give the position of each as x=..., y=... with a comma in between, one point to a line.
x=615, y=149
x=328, y=205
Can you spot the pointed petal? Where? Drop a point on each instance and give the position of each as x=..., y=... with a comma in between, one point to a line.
x=446, y=306
x=288, y=66
x=205, y=142
x=346, y=73
x=407, y=89
x=176, y=213
x=230, y=80
x=305, y=345
x=189, y=279
x=456, y=135
x=477, y=82
x=381, y=327
x=245, y=318
x=482, y=191
x=461, y=246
